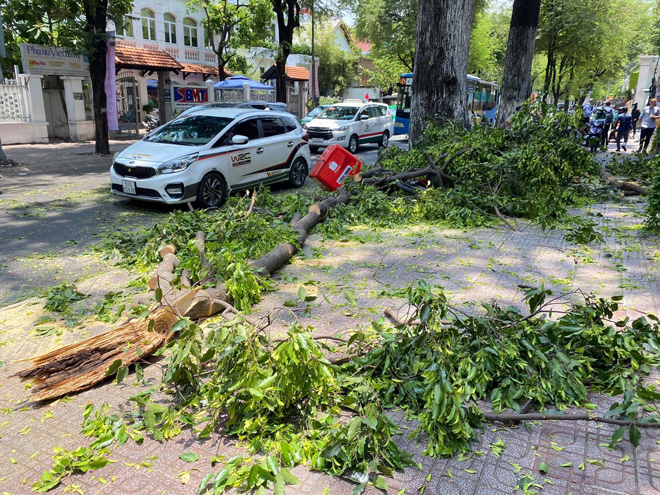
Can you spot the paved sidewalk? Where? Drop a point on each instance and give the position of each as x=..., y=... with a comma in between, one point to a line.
x=481, y=265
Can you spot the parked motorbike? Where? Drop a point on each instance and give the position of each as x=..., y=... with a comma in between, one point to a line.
x=151, y=122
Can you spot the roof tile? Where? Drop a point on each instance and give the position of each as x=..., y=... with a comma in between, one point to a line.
x=131, y=57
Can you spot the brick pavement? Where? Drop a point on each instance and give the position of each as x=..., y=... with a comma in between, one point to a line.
x=482, y=264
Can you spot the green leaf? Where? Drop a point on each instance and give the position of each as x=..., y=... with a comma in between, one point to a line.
x=189, y=457
x=359, y=489
x=635, y=435
x=380, y=483
x=289, y=477
x=543, y=467
x=290, y=303
x=159, y=294
x=350, y=297
x=112, y=369
x=279, y=484
x=302, y=293
x=121, y=374
x=179, y=325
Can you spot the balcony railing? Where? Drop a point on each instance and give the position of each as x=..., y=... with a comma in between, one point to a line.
x=173, y=51
x=210, y=58
x=191, y=55
x=151, y=46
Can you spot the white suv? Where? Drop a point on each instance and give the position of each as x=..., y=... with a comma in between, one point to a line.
x=201, y=157
x=350, y=125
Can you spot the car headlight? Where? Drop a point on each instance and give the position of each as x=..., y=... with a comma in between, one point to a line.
x=304, y=126
x=342, y=128
x=178, y=164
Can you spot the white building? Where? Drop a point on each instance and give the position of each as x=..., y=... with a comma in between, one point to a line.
x=648, y=69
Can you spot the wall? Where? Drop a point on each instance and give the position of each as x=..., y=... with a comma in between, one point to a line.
x=647, y=67
x=23, y=132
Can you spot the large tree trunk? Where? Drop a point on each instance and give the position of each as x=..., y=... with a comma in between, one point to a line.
x=441, y=61
x=96, y=16
x=517, y=80
x=288, y=19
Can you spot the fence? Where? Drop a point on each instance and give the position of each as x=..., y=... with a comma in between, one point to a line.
x=13, y=101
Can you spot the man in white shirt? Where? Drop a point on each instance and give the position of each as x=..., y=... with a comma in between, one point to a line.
x=648, y=120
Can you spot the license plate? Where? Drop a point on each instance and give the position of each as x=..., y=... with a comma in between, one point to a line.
x=129, y=186
x=317, y=140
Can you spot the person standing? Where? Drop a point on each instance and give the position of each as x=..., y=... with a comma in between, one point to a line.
x=648, y=118
x=623, y=126
x=588, y=110
x=635, y=117
x=609, y=120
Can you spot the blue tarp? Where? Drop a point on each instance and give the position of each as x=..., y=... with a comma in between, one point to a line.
x=237, y=82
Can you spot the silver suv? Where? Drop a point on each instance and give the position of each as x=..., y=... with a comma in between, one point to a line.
x=351, y=125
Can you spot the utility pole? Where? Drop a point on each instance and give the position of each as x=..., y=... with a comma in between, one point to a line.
x=313, y=77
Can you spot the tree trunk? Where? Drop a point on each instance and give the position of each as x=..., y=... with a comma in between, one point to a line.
x=96, y=12
x=517, y=80
x=441, y=61
x=288, y=19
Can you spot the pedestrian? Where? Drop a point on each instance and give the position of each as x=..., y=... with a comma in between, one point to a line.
x=635, y=117
x=609, y=120
x=648, y=118
x=623, y=126
x=588, y=110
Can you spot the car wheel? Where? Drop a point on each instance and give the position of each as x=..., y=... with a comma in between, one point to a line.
x=313, y=149
x=385, y=140
x=212, y=191
x=353, y=144
x=298, y=172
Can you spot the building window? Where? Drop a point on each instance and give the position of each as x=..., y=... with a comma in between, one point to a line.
x=148, y=24
x=190, y=32
x=170, y=28
x=125, y=29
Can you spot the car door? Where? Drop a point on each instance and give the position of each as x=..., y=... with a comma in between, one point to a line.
x=363, y=127
x=280, y=144
x=244, y=159
x=378, y=123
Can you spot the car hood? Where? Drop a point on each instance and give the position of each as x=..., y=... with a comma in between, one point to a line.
x=150, y=154
x=328, y=124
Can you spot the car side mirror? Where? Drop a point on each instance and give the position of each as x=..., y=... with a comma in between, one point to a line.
x=364, y=116
x=238, y=139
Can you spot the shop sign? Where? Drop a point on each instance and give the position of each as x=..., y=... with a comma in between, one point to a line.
x=53, y=60
x=185, y=96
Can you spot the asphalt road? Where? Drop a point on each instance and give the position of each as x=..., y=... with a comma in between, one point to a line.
x=56, y=203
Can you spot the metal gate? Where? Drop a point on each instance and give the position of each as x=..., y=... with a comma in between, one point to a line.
x=127, y=104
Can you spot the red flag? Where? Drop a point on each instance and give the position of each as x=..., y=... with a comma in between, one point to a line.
x=367, y=97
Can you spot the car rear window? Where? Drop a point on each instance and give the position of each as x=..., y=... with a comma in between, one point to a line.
x=339, y=113
x=272, y=127
x=190, y=130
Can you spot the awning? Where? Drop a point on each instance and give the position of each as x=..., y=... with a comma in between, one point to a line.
x=237, y=82
x=293, y=73
x=206, y=70
x=131, y=57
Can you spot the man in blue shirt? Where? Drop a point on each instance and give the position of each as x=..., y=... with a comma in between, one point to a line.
x=588, y=110
x=623, y=126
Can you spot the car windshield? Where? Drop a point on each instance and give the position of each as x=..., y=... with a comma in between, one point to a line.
x=339, y=113
x=315, y=112
x=191, y=130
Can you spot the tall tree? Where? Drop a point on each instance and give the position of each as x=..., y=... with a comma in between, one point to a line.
x=230, y=25
x=287, y=13
x=517, y=79
x=441, y=62
x=78, y=24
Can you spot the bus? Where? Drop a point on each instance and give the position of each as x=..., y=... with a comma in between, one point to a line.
x=482, y=97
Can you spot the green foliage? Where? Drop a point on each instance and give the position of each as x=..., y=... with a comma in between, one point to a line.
x=533, y=170
x=653, y=206
x=60, y=297
x=233, y=238
x=584, y=232
x=67, y=462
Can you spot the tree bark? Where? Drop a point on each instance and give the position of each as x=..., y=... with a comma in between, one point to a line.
x=517, y=79
x=441, y=61
x=288, y=19
x=96, y=13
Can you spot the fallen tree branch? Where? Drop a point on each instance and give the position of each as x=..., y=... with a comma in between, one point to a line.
x=501, y=217
x=515, y=418
x=625, y=186
x=80, y=366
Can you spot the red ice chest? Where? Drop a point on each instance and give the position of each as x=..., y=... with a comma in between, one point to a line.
x=332, y=168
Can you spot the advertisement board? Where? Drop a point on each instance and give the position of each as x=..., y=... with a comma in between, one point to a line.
x=52, y=60
x=187, y=96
